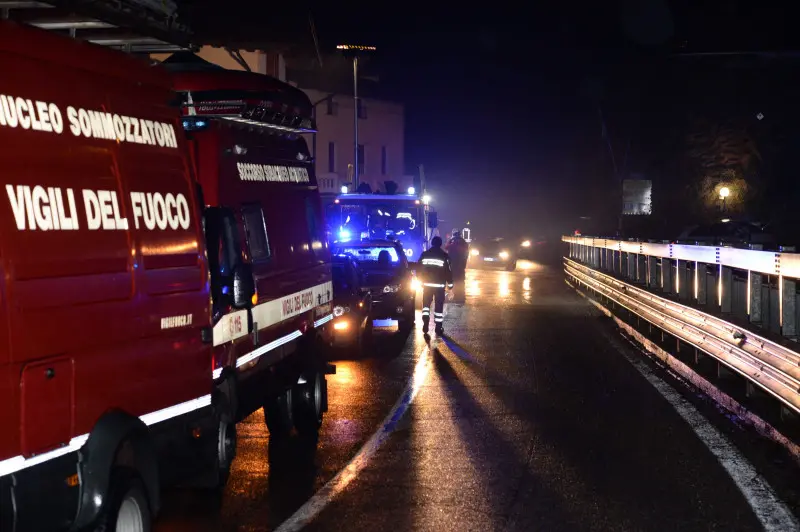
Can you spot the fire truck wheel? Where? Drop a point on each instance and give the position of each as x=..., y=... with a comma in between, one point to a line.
x=126, y=509
x=309, y=404
x=226, y=449
x=278, y=414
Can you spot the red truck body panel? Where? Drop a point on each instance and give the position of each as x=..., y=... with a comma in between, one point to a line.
x=104, y=287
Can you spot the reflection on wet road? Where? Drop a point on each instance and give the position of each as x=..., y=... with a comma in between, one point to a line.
x=527, y=419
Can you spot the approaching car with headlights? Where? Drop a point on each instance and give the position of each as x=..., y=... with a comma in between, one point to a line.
x=352, y=324
x=388, y=278
x=494, y=253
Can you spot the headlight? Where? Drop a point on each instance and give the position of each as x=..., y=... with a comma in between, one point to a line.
x=526, y=243
x=474, y=252
x=504, y=255
x=416, y=284
x=338, y=310
x=388, y=289
x=341, y=325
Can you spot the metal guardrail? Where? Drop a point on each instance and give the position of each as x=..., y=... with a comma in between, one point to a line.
x=770, y=365
x=765, y=262
x=698, y=273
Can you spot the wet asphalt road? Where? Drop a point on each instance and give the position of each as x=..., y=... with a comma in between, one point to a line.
x=527, y=418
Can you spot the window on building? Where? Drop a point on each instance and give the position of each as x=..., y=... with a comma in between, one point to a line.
x=362, y=109
x=333, y=107
x=383, y=160
x=256, y=229
x=361, y=162
x=331, y=157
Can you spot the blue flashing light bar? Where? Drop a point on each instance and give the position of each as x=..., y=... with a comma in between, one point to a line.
x=378, y=197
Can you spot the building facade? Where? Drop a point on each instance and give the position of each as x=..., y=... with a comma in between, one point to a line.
x=380, y=136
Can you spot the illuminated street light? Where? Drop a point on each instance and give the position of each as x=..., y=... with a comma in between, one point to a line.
x=355, y=47
x=426, y=199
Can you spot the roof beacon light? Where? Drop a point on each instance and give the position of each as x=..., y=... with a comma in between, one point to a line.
x=344, y=189
x=411, y=191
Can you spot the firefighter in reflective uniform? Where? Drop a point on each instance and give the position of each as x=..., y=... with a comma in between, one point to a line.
x=436, y=276
x=458, y=250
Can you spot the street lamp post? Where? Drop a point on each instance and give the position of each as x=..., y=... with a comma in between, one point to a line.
x=724, y=192
x=314, y=117
x=354, y=49
x=355, y=122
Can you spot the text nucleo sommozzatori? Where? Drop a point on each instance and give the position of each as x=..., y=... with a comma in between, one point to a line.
x=47, y=117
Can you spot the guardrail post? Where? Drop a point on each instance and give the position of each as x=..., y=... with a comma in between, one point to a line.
x=652, y=272
x=701, y=278
x=754, y=297
x=598, y=258
x=631, y=266
x=666, y=276
x=684, y=288
x=788, y=307
x=725, y=288
x=641, y=268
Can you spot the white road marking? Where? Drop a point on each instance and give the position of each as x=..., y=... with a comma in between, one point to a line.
x=312, y=508
x=771, y=512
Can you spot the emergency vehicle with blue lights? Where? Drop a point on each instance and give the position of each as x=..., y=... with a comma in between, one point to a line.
x=406, y=218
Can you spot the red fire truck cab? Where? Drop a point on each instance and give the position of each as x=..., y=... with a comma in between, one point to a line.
x=105, y=343
x=267, y=251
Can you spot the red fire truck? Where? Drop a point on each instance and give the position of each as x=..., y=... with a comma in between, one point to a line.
x=268, y=255
x=105, y=344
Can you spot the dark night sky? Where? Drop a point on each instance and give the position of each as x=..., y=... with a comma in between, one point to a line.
x=498, y=101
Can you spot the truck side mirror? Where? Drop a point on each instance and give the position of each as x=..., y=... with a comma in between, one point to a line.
x=433, y=220
x=244, y=285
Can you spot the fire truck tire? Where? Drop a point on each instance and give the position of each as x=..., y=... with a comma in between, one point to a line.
x=225, y=448
x=126, y=509
x=310, y=402
x=278, y=414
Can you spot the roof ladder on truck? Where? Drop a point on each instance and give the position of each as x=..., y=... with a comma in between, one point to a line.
x=134, y=26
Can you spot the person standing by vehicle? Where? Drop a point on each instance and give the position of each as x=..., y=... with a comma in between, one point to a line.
x=436, y=276
x=458, y=249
